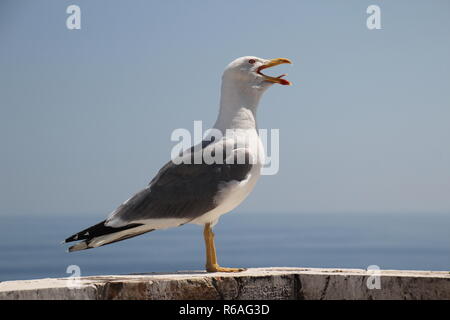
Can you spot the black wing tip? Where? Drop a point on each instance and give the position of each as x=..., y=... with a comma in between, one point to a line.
x=86, y=233
x=97, y=230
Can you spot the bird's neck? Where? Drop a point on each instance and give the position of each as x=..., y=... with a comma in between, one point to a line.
x=237, y=107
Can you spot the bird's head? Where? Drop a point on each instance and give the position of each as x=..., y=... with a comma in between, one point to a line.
x=248, y=71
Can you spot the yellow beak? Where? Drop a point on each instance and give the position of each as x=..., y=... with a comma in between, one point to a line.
x=273, y=63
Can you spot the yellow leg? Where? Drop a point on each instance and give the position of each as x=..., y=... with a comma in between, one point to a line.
x=211, y=258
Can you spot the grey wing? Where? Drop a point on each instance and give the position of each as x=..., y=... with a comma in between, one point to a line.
x=179, y=191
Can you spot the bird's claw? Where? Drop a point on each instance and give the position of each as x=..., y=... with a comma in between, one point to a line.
x=216, y=268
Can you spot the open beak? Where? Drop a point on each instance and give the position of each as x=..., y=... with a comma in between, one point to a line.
x=273, y=63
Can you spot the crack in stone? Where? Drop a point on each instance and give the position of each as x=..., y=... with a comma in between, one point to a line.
x=322, y=297
x=239, y=287
x=100, y=293
x=216, y=287
x=298, y=288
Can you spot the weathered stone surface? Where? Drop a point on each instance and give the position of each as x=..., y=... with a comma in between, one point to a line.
x=260, y=283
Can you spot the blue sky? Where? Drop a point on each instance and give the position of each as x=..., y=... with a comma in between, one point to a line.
x=86, y=115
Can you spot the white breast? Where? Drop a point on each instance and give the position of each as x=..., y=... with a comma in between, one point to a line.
x=232, y=193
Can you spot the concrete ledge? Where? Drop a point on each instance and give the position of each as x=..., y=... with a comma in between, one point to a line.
x=259, y=283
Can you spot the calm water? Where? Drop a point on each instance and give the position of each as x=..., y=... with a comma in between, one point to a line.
x=29, y=246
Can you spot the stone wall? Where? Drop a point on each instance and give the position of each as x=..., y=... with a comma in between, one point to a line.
x=259, y=283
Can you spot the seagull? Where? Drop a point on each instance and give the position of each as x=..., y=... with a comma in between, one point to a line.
x=205, y=181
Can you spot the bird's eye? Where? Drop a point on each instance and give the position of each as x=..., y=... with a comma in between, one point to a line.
x=252, y=61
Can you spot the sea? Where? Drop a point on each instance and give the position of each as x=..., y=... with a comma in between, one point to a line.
x=30, y=245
